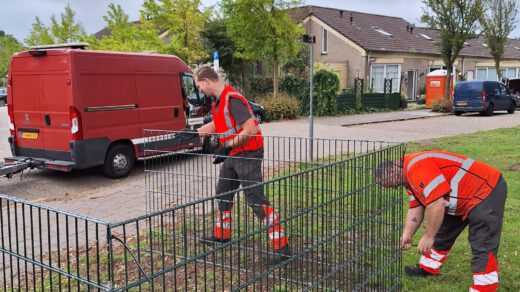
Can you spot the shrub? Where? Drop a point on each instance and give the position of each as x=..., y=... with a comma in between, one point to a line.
x=326, y=85
x=284, y=106
x=260, y=85
x=442, y=105
x=298, y=87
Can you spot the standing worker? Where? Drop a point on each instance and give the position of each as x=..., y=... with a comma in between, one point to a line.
x=241, y=150
x=454, y=191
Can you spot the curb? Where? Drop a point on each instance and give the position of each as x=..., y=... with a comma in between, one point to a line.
x=396, y=120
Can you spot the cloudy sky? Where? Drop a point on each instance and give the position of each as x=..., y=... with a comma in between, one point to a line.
x=16, y=16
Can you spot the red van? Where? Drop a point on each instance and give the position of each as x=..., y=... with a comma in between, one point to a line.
x=74, y=108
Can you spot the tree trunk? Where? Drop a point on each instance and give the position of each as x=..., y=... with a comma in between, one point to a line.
x=447, y=87
x=276, y=76
x=497, y=67
x=243, y=72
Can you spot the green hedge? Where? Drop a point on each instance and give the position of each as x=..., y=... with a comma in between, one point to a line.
x=347, y=101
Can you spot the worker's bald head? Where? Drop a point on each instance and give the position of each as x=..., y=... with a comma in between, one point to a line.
x=389, y=173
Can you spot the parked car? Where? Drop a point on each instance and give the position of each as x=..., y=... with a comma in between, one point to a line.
x=3, y=96
x=258, y=112
x=485, y=97
x=91, y=108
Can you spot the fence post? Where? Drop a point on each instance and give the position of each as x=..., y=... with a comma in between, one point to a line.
x=110, y=259
x=358, y=90
x=388, y=91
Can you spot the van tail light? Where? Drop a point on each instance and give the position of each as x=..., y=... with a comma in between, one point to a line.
x=75, y=124
x=10, y=112
x=484, y=95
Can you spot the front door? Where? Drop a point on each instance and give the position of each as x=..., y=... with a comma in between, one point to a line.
x=412, y=85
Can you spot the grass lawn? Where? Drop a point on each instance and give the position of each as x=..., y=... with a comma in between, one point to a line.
x=501, y=149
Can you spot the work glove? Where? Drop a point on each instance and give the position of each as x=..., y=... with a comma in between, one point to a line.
x=187, y=135
x=221, y=154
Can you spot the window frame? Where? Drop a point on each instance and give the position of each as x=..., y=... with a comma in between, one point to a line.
x=385, y=72
x=324, y=41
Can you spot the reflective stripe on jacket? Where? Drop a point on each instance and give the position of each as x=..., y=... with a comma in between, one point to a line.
x=227, y=127
x=462, y=181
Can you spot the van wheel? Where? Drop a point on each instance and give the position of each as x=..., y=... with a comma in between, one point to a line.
x=2, y=102
x=457, y=113
x=119, y=161
x=512, y=108
x=489, y=110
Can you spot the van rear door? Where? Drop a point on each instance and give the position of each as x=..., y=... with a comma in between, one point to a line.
x=25, y=92
x=41, y=98
x=468, y=94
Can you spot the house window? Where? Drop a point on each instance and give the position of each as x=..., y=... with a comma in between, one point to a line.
x=379, y=73
x=324, y=41
x=490, y=73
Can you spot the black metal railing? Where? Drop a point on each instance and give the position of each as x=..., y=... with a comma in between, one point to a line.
x=342, y=228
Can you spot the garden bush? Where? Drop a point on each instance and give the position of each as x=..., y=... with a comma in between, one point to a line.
x=261, y=86
x=326, y=85
x=284, y=106
x=442, y=105
x=298, y=87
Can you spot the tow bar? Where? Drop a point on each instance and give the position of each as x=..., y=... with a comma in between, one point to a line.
x=9, y=169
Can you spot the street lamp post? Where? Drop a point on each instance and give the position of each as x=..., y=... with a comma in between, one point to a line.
x=310, y=39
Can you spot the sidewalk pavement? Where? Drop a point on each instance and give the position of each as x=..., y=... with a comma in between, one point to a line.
x=373, y=118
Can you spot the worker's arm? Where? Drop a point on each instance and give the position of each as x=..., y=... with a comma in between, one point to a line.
x=414, y=219
x=249, y=128
x=434, y=216
x=207, y=129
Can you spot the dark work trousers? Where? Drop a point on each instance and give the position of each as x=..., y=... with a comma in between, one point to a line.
x=485, y=228
x=244, y=168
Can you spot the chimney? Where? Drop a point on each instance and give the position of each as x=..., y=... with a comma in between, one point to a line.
x=411, y=29
x=351, y=18
x=341, y=13
x=407, y=27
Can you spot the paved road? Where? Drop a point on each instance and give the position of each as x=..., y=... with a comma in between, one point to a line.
x=89, y=193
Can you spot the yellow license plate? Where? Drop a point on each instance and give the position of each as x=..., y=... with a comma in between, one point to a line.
x=462, y=103
x=29, y=135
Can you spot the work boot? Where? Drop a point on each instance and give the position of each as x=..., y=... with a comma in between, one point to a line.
x=211, y=240
x=416, y=271
x=279, y=256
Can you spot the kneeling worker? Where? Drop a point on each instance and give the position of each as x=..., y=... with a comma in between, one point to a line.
x=453, y=191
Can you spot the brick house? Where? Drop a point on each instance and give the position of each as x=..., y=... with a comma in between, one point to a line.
x=375, y=47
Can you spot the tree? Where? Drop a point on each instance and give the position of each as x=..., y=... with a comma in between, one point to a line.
x=262, y=29
x=183, y=21
x=497, y=23
x=67, y=30
x=457, y=21
x=215, y=38
x=8, y=46
x=126, y=36
x=39, y=34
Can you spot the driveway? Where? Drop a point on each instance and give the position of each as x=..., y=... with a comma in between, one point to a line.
x=88, y=192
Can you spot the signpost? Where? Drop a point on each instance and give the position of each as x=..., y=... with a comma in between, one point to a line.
x=216, y=65
x=310, y=39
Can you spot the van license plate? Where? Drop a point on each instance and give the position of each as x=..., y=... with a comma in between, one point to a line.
x=29, y=135
x=462, y=103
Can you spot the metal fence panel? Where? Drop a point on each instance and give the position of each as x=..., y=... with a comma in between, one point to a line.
x=342, y=228
x=43, y=249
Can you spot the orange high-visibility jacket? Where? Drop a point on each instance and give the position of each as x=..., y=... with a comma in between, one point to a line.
x=462, y=181
x=227, y=127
